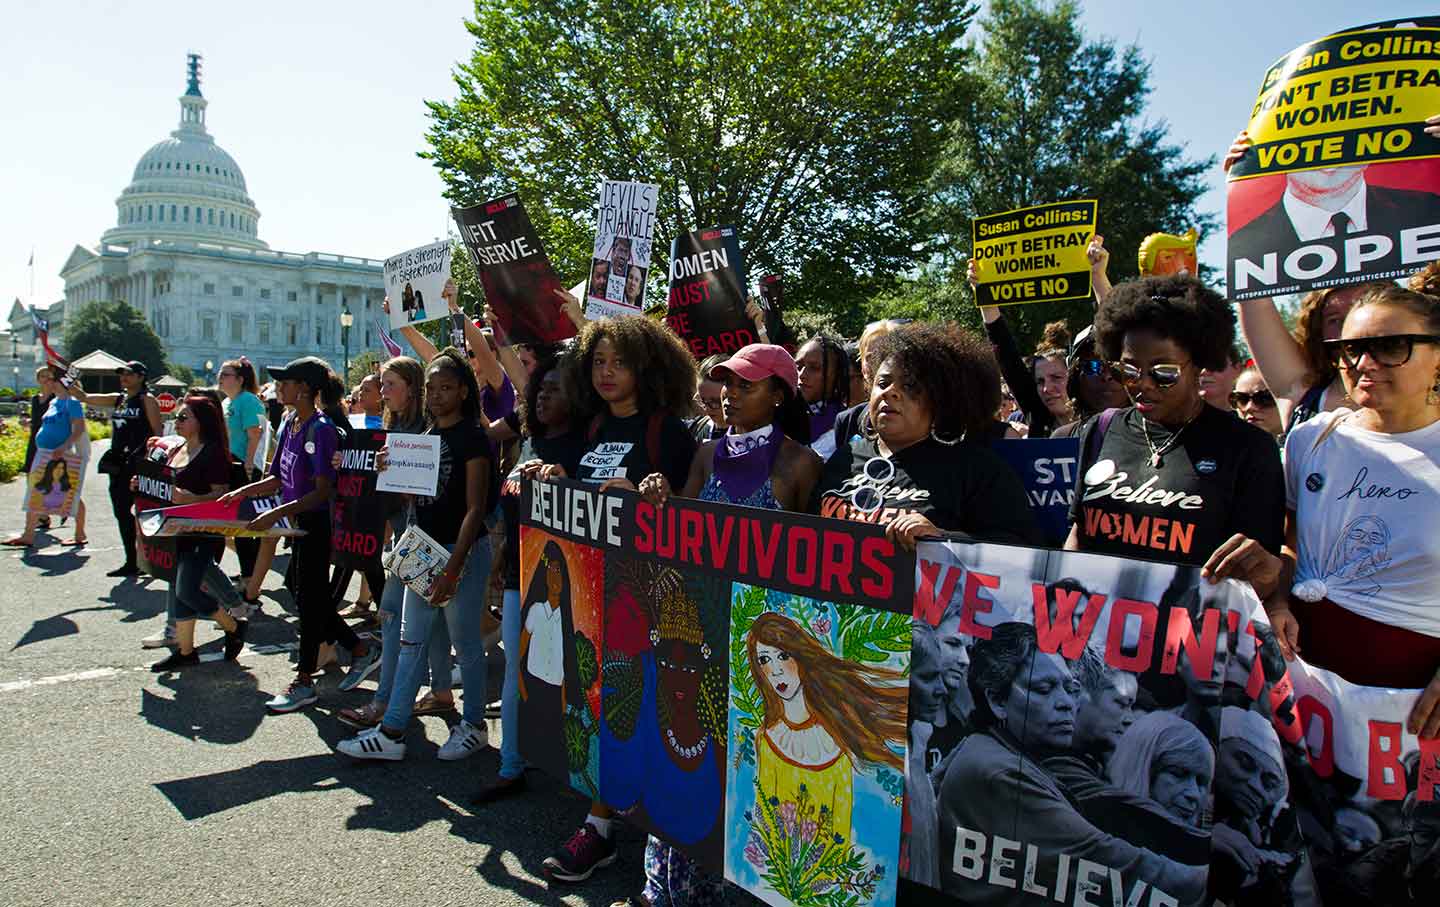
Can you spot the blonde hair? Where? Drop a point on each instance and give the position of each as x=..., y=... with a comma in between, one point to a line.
x=1155, y=243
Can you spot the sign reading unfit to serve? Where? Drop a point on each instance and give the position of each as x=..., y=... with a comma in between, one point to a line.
x=1033, y=254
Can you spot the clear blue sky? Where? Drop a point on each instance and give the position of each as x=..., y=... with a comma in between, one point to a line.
x=320, y=102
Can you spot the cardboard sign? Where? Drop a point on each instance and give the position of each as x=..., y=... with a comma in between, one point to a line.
x=519, y=282
x=214, y=518
x=413, y=466
x=620, y=259
x=414, y=280
x=155, y=489
x=55, y=482
x=707, y=293
x=1339, y=185
x=1033, y=254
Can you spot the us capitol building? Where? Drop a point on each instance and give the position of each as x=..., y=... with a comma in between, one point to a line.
x=186, y=252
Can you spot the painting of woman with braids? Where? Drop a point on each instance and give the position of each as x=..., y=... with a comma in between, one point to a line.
x=814, y=810
x=662, y=734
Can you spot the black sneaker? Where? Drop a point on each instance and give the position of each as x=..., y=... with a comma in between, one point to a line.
x=124, y=570
x=175, y=662
x=234, y=642
x=578, y=858
x=500, y=789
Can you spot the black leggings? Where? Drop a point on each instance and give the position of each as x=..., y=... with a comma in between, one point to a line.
x=122, y=503
x=310, y=563
x=248, y=549
x=340, y=580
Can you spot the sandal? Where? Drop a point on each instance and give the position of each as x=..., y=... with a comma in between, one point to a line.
x=18, y=542
x=367, y=716
x=430, y=705
x=74, y=543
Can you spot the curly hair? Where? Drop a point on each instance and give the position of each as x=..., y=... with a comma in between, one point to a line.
x=1421, y=305
x=1310, y=330
x=1176, y=308
x=665, y=373
x=1054, y=342
x=954, y=370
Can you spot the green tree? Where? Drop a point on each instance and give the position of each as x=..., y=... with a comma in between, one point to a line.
x=362, y=365
x=811, y=125
x=182, y=373
x=1051, y=115
x=118, y=329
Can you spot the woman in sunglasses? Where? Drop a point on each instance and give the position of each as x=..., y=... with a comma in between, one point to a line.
x=1171, y=478
x=1252, y=402
x=1362, y=489
x=922, y=464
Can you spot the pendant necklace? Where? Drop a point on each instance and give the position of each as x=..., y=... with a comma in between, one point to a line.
x=1157, y=454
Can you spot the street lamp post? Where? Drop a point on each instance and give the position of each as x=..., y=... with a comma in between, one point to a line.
x=15, y=363
x=346, y=320
x=209, y=367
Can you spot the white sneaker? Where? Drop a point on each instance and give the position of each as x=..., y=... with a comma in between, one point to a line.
x=465, y=740
x=372, y=744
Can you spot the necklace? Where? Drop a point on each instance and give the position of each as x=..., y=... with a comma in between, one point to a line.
x=685, y=752
x=1157, y=454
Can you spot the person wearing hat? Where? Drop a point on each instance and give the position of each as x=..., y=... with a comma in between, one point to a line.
x=134, y=419
x=302, y=473
x=1091, y=385
x=763, y=459
x=1255, y=840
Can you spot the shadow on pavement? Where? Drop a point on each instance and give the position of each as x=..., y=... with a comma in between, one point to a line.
x=138, y=603
x=58, y=563
x=218, y=702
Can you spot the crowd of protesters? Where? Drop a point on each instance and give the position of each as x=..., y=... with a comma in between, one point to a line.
x=898, y=428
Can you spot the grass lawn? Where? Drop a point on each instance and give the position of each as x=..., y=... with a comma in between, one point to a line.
x=14, y=436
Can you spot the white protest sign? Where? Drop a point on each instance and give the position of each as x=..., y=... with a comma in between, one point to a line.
x=414, y=281
x=624, y=236
x=413, y=466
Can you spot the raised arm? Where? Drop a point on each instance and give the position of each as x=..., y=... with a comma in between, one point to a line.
x=1099, y=259
x=482, y=360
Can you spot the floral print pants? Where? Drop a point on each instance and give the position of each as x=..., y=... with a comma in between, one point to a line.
x=673, y=880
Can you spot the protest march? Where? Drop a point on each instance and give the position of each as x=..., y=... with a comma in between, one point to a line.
x=1144, y=615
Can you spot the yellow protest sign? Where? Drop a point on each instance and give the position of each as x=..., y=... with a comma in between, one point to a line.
x=1033, y=254
x=1355, y=97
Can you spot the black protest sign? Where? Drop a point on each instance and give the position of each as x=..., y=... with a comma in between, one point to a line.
x=154, y=488
x=707, y=293
x=358, y=522
x=1033, y=254
x=519, y=282
x=772, y=299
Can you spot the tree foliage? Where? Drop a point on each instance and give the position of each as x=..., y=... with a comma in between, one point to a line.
x=811, y=125
x=1049, y=115
x=117, y=328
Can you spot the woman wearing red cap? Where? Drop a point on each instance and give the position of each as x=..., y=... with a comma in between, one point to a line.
x=761, y=461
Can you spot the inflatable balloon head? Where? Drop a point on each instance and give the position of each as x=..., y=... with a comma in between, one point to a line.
x=1163, y=254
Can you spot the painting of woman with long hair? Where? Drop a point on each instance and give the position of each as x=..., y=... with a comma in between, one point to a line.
x=542, y=650
x=814, y=798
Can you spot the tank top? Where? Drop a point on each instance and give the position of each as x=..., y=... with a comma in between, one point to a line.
x=129, y=427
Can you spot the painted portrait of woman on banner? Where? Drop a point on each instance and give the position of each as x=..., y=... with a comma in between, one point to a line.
x=818, y=704
x=55, y=481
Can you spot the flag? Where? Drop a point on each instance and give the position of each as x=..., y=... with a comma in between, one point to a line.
x=31, y=262
x=386, y=340
x=42, y=333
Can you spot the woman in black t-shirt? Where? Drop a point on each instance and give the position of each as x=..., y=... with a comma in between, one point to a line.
x=918, y=467
x=202, y=473
x=134, y=419
x=631, y=376
x=1171, y=478
x=454, y=517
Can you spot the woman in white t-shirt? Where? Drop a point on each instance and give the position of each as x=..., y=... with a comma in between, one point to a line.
x=542, y=652
x=1362, y=491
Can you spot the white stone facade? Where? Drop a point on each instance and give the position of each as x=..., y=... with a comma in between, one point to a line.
x=185, y=251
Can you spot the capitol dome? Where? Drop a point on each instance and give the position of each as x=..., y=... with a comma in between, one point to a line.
x=187, y=187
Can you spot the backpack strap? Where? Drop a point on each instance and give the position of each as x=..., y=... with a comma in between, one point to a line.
x=1097, y=434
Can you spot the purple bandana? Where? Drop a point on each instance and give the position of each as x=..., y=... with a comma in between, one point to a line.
x=744, y=462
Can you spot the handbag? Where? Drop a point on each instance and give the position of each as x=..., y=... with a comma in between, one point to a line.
x=417, y=560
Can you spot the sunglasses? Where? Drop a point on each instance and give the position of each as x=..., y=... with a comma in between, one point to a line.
x=182, y=417
x=1388, y=351
x=1094, y=368
x=1263, y=399
x=1164, y=374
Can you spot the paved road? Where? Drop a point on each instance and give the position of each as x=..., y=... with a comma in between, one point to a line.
x=121, y=787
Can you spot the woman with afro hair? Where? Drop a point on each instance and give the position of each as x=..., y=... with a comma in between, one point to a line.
x=922, y=464
x=1171, y=478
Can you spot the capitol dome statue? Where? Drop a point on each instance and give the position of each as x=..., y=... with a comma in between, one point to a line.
x=186, y=252
x=187, y=186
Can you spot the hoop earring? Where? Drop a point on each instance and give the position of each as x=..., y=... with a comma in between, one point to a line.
x=867, y=428
x=939, y=440
x=1433, y=397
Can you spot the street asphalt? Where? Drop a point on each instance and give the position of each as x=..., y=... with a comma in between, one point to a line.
x=125, y=787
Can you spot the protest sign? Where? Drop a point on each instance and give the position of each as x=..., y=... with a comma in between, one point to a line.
x=1046, y=466
x=214, y=518
x=1033, y=254
x=519, y=282
x=413, y=464
x=54, y=484
x=155, y=488
x=414, y=281
x=1050, y=699
x=1339, y=184
x=653, y=679
x=624, y=239
x=772, y=298
x=707, y=292
x=357, y=514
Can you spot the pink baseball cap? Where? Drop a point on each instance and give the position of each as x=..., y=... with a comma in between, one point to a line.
x=759, y=361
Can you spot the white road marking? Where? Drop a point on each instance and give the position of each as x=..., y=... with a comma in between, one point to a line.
x=16, y=686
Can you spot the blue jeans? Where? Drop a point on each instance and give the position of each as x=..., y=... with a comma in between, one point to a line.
x=463, y=616
x=190, y=600
x=391, y=602
x=511, y=764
